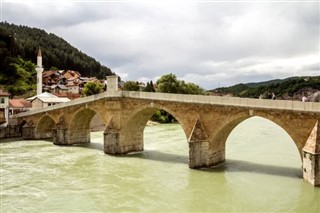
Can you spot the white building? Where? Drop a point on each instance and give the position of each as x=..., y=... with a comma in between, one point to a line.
x=4, y=108
x=45, y=99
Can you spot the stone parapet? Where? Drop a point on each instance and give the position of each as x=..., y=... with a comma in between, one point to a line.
x=200, y=99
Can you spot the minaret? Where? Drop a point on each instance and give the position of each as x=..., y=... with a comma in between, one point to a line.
x=39, y=70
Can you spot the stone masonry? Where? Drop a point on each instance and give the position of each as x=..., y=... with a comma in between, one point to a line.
x=207, y=121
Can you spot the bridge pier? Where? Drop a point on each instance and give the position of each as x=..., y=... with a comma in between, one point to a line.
x=60, y=136
x=113, y=145
x=311, y=157
x=115, y=141
x=60, y=133
x=63, y=136
x=200, y=153
x=29, y=131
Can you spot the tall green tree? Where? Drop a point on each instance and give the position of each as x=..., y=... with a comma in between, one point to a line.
x=149, y=87
x=170, y=84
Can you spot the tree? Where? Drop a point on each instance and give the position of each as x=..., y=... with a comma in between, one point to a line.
x=18, y=75
x=149, y=87
x=91, y=88
x=170, y=84
x=163, y=117
x=131, y=86
x=190, y=88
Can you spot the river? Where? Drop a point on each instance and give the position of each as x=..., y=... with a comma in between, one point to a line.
x=262, y=173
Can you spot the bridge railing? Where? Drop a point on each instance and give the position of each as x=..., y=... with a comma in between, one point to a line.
x=78, y=101
x=230, y=101
x=202, y=99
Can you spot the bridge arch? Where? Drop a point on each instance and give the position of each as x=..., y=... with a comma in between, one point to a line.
x=138, y=118
x=21, y=123
x=287, y=125
x=220, y=138
x=44, y=127
x=79, y=127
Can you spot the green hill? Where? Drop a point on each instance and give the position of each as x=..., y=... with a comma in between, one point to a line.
x=289, y=88
x=24, y=41
x=18, y=51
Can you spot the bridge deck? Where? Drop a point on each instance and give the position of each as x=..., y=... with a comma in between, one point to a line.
x=201, y=99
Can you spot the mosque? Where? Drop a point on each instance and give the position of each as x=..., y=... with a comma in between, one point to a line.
x=43, y=99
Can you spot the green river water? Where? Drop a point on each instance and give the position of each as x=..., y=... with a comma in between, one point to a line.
x=262, y=173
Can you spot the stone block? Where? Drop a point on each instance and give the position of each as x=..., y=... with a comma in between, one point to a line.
x=311, y=168
x=28, y=132
x=60, y=136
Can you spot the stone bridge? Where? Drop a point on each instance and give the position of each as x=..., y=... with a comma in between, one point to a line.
x=207, y=121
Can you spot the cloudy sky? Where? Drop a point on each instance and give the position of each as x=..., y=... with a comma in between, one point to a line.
x=210, y=43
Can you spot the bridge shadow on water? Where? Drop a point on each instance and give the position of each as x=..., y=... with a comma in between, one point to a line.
x=255, y=168
x=230, y=165
x=155, y=155
x=91, y=145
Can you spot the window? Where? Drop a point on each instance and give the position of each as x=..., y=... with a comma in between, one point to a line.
x=2, y=100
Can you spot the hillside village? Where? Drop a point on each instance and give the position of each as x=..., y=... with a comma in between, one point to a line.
x=53, y=87
x=65, y=83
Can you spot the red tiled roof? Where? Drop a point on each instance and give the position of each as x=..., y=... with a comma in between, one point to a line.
x=19, y=103
x=49, y=73
x=61, y=95
x=73, y=78
x=71, y=96
x=4, y=93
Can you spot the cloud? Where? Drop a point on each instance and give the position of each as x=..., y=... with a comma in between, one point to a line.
x=208, y=43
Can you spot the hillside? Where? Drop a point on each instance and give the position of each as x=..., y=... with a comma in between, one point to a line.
x=289, y=89
x=24, y=41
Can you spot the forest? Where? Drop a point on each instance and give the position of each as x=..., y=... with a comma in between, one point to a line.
x=18, y=50
x=24, y=41
x=283, y=89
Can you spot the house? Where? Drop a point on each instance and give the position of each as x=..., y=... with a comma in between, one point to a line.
x=46, y=99
x=75, y=80
x=18, y=105
x=50, y=77
x=59, y=88
x=71, y=74
x=4, y=108
x=73, y=88
x=41, y=102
